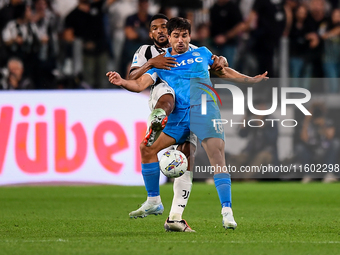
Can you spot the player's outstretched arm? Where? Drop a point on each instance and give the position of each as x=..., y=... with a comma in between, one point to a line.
x=131, y=85
x=159, y=62
x=232, y=75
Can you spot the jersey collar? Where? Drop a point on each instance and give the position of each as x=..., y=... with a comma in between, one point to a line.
x=168, y=52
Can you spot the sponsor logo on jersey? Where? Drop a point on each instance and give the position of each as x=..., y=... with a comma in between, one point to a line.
x=196, y=54
x=190, y=61
x=135, y=60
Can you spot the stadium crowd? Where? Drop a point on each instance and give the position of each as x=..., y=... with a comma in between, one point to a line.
x=43, y=48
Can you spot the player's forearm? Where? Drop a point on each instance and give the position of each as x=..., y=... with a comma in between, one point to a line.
x=138, y=72
x=331, y=33
x=131, y=85
x=232, y=75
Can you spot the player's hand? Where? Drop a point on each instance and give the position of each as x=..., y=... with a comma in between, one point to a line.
x=313, y=39
x=260, y=77
x=219, y=63
x=162, y=62
x=115, y=78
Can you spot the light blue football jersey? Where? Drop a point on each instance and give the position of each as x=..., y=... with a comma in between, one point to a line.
x=187, y=76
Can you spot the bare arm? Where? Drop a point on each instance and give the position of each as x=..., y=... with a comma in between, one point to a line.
x=131, y=85
x=232, y=75
x=334, y=32
x=159, y=62
x=137, y=72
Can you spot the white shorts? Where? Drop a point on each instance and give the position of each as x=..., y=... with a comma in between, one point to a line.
x=192, y=138
x=157, y=91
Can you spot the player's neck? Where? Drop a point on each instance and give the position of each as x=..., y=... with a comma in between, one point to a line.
x=173, y=52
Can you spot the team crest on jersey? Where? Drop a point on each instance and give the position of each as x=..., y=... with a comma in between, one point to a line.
x=196, y=53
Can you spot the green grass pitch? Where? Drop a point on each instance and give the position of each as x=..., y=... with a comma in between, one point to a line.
x=273, y=218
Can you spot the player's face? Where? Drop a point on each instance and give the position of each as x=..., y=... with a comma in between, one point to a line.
x=158, y=32
x=179, y=40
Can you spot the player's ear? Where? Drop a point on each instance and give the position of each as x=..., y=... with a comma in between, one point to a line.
x=150, y=35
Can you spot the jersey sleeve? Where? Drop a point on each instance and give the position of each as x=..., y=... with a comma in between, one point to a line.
x=208, y=55
x=193, y=46
x=139, y=58
x=152, y=72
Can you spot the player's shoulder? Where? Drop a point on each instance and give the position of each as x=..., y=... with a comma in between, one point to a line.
x=142, y=48
x=205, y=50
x=192, y=47
x=202, y=49
x=10, y=25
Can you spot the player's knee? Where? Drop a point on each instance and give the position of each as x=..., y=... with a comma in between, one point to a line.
x=187, y=148
x=166, y=102
x=186, y=151
x=216, y=153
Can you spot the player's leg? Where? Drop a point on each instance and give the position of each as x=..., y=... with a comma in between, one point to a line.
x=166, y=102
x=214, y=148
x=212, y=137
x=182, y=189
x=151, y=172
x=161, y=104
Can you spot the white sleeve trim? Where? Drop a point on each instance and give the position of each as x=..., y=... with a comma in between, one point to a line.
x=153, y=76
x=193, y=46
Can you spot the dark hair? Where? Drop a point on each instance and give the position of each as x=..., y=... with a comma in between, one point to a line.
x=158, y=16
x=178, y=23
x=19, y=11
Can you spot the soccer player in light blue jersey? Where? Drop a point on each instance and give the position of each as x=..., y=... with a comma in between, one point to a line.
x=186, y=78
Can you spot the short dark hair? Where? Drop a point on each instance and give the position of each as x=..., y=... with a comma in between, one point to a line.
x=158, y=16
x=19, y=11
x=178, y=23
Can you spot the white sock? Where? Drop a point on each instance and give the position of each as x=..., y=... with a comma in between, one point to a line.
x=182, y=189
x=227, y=210
x=154, y=200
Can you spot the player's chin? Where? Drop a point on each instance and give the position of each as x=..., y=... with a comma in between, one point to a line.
x=162, y=39
x=181, y=50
